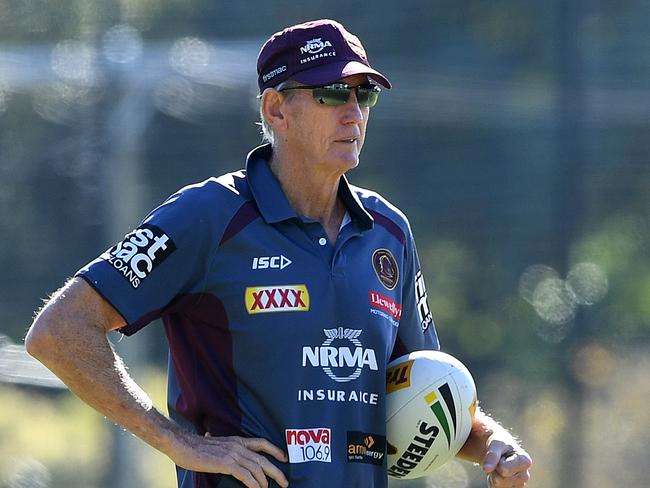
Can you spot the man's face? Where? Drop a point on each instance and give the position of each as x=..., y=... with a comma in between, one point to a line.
x=326, y=137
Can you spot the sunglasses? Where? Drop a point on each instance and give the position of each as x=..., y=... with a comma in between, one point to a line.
x=339, y=93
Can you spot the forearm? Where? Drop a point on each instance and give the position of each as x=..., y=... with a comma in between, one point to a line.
x=83, y=358
x=484, y=429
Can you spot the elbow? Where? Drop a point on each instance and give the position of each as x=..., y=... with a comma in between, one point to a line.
x=40, y=338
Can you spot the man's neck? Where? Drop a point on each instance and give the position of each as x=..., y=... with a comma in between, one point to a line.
x=311, y=192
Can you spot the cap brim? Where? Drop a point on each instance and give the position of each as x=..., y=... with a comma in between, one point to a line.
x=332, y=72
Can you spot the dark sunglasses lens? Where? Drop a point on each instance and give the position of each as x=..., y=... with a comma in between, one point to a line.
x=329, y=95
x=338, y=95
x=367, y=96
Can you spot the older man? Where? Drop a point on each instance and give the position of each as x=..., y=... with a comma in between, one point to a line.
x=284, y=292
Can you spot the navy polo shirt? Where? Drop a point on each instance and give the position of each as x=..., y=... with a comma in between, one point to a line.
x=274, y=331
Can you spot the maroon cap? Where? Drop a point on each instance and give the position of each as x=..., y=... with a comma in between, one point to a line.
x=314, y=53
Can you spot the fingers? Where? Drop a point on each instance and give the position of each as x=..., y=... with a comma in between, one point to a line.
x=519, y=480
x=243, y=462
x=510, y=470
x=260, y=468
x=262, y=445
x=512, y=463
x=491, y=460
x=264, y=466
x=251, y=472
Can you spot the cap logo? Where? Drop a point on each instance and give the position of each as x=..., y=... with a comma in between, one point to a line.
x=273, y=73
x=315, y=46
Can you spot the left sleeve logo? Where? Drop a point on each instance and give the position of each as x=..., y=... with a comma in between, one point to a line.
x=424, y=312
x=139, y=253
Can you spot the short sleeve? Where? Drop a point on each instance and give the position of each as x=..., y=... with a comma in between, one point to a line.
x=162, y=260
x=416, y=328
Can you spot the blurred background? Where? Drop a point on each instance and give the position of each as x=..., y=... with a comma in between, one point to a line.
x=516, y=139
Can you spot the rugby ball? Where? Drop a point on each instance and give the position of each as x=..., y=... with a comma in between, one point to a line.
x=430, y=405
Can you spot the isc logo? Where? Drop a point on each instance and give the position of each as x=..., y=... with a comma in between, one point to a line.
x=306, y=445
x=140, y=252
x=266, y=299
x=272, y=262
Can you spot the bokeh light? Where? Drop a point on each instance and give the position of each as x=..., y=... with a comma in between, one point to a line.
x=175, y=97
x=190, y=56
x=75, y=62
x=122, y=44
x=55, y=102
x=531, y=277
x=553, y=301
x=59, y=102
x=556, y=301
x=550, y=332
x=593, y=365
x=588, y=282
x=545, y=417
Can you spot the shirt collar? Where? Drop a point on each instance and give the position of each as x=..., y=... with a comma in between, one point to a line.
x=265, y=187
x=273, y=203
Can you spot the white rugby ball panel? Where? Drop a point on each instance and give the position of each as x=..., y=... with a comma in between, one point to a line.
x=430, y=403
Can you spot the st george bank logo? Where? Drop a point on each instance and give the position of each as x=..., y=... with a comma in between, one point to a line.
x=277, y=298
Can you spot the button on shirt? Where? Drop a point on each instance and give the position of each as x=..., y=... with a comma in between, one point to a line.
x=273, y=331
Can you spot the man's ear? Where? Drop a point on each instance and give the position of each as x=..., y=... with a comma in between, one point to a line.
x=273, y=109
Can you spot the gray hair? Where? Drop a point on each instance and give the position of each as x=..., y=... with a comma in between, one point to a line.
x=266, y=130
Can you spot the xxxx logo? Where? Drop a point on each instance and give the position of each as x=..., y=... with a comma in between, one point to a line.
x=266, y=299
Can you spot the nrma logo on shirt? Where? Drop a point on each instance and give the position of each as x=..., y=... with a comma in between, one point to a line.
x=277, y=298
x=338, y=360
x=140, y=253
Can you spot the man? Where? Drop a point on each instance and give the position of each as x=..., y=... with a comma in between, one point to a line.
x=284, y=292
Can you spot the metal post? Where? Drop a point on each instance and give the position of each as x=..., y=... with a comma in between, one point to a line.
x=570, y=161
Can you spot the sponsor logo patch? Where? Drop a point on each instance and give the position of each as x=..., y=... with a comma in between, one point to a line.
x=415, y=452
x=277, y=298
x=314, y=46
x=386, y=269
x=334, y=395
x=338, y=360
x=139, y=253
x=271, y=262
x=384, y=303
x=315, y=49
x=366, y=448
x=273, y=73
x=308, y=445
x=424, y=312
x=398, y=377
